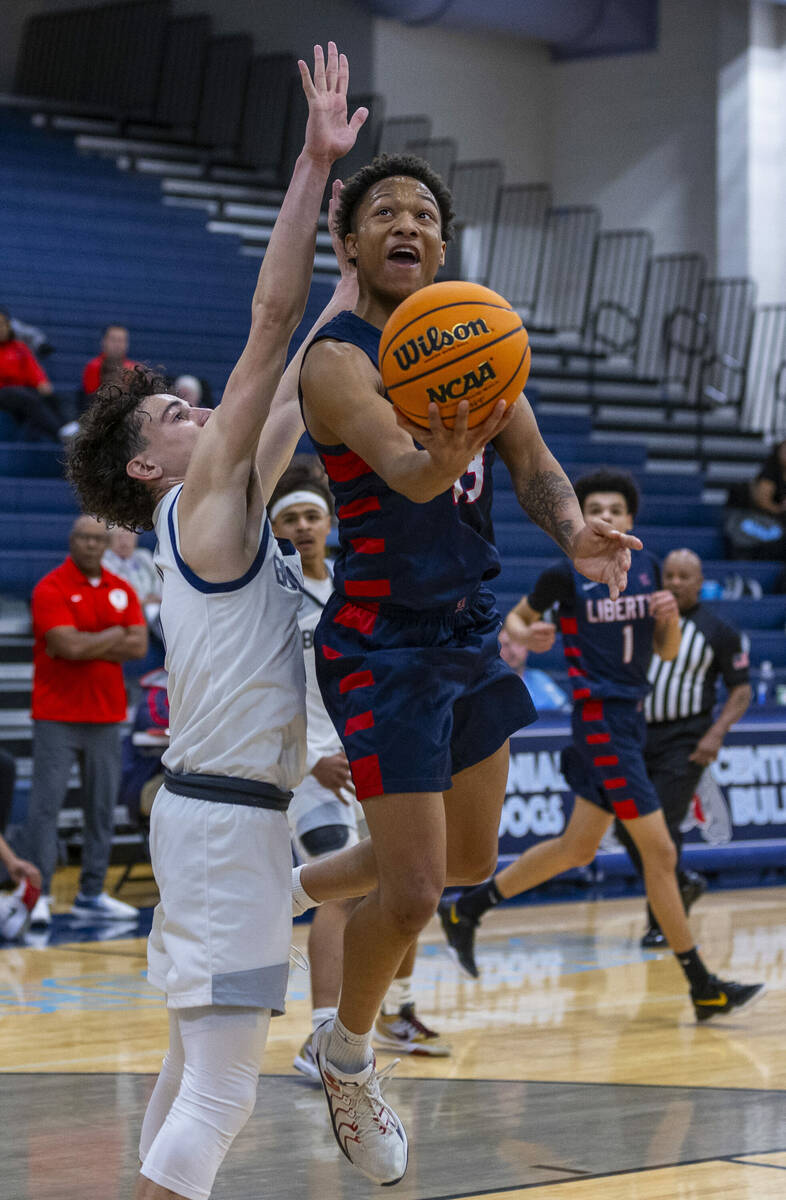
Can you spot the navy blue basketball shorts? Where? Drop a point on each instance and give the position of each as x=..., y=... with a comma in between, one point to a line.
x=605, y=761
x=416, y=697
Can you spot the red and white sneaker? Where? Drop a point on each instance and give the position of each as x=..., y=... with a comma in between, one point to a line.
x=366, y=1128
x=404, y=1032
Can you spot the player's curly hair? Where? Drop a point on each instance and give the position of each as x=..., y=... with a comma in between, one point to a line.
x=383, y=167
x=607, y=479
x=111, y=432
x=304, y=473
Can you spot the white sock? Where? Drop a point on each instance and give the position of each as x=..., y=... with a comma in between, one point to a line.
x=349, y=1052
x=301, y=901
x=398, y=994
x=320, y=1015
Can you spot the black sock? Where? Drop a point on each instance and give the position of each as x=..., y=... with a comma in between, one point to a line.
x=697, y=974
x=475, y=903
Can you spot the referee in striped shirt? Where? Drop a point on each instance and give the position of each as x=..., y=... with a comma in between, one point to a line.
x=682, y=738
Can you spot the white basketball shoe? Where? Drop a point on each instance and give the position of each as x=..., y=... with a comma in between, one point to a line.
x=366, y=1128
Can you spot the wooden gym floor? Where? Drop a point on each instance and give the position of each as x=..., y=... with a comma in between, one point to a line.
x=577, y=1073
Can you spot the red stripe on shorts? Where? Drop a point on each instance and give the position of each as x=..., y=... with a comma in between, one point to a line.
x=626, y=810
x=356, y=508
x=367, y=587
x=368, y=545
x=354, y=617
x=364, y=720
x=574, y=672
x=367, y=776
x=572, y=652
x=592, y=711
x=343, y=467
x=569, y=625
x=597, y=739
x=582, y=694
x=358, y=679
x=611, y=785
x=606, y=760
x=329, y=652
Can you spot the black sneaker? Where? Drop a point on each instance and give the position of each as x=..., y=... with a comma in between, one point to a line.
x=720, y=996
x=692, y=888
x=654, y=938
x=460, y=933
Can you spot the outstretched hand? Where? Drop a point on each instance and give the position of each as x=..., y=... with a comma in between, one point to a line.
x=602, y=553
x=329, y=135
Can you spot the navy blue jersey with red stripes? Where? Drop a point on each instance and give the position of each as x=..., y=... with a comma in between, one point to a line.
x=607, y=643
x=390, y=549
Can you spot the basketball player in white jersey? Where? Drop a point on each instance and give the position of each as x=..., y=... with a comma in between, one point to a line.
x=219, y=834
x=323, y=813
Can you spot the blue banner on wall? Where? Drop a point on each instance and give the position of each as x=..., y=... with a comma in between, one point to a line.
x=737, y=818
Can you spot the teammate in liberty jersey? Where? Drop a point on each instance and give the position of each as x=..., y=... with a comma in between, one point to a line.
x=608, y=643
x=407, y=653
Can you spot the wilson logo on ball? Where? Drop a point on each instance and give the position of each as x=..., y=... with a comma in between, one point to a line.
x=433, y=339
x=457, y=389
x=452, y=343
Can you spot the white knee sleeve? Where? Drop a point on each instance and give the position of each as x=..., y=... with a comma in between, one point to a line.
x=222, y=1049
x=167, y=1087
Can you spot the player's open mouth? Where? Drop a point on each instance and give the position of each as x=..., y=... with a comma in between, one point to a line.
x=408, y=255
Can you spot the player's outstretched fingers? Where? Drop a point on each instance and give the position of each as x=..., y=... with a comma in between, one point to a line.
x=319, y=69
x=343, y=74
x=331, y=70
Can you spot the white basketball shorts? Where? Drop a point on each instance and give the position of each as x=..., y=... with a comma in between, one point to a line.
x=221, y=932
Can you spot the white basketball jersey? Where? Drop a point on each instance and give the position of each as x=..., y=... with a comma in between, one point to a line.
x=322, y=737
x=233, y=653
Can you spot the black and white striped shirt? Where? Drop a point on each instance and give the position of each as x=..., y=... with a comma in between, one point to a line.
x=710, y=649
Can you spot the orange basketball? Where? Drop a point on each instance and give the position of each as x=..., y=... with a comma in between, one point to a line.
x=450, y=342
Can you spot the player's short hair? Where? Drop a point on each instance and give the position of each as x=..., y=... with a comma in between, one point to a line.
x=606, y=479
x=111, y=433
x=385, y=166
x=304, y=473
x=113, y=325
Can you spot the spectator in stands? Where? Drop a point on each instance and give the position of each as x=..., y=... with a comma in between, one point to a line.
x=196, y=392
x=768, y=489
x=132, y=562
x=682, y=737
x=25, y=391
x=86, y=623
x=33, y=337
x=755, y=522
x=108, y=366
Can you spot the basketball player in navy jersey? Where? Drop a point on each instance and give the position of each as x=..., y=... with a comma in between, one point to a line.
x=407, y=653
x=608, y=645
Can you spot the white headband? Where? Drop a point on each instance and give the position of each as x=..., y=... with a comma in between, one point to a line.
x=304, y=497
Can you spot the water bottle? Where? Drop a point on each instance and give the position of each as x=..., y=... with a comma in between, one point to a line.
x=765, y=682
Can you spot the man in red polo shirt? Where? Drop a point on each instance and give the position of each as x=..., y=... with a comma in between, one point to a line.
x=108, y=366
x=87, y=622
x=25, y=391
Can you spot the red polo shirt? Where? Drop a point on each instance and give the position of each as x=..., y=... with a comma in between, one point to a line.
x=91, y=376
x=18, y=366
x=66, y=689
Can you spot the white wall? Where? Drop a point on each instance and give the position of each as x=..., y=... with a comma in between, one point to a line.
x=488, y=92
x=636, y=134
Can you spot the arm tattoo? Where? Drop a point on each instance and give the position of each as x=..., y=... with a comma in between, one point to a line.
x=547, y=497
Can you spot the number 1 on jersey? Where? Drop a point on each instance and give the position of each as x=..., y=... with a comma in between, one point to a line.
x=627, y=643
